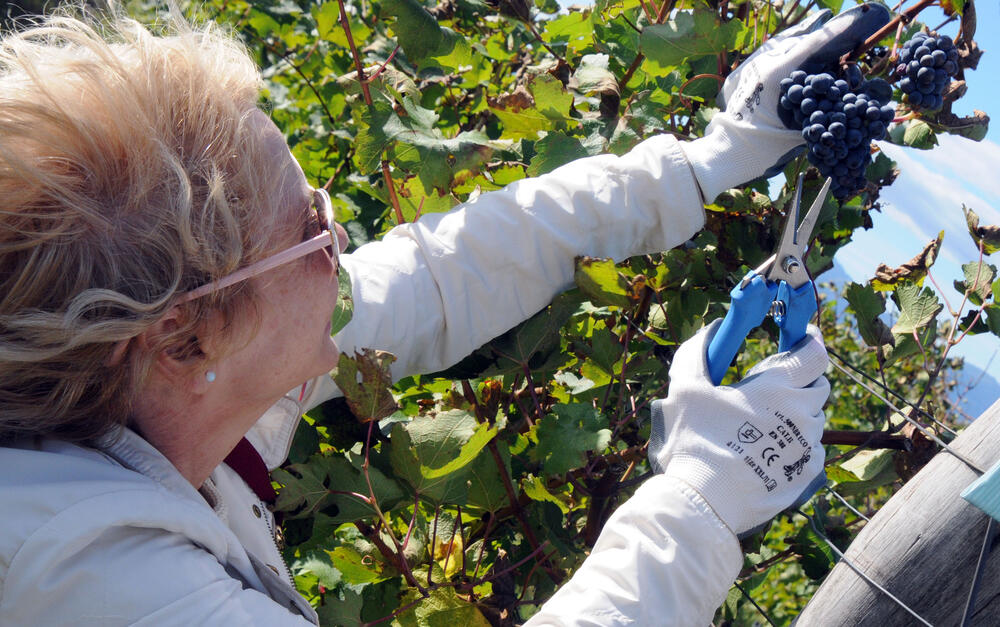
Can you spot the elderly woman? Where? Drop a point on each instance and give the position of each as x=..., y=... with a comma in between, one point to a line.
x=167, y=275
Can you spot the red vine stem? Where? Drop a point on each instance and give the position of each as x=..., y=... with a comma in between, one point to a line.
x=346, y=25
x=903, y=18
x=516, y=506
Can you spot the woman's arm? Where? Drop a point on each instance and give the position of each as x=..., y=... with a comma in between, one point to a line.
x=433, y=291
x=663, y=558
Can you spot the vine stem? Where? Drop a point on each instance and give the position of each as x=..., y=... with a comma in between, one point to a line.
x=951, y=334
x=346, y=25
x=903, y=18
x=398, y=557
x=516, y=506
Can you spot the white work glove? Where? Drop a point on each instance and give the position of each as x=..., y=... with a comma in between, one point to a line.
x=747, y=139
x=750, y=449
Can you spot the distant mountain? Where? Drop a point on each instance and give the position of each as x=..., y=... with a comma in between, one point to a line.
x=834, y=275
x=976, y=390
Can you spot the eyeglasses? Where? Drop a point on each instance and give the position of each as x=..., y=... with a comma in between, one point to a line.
x=327, y=240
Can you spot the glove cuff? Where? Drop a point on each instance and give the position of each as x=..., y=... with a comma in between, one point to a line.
x=731, y=155
x=719, y=489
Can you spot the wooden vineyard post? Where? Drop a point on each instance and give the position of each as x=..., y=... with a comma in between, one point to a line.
x=922, y=546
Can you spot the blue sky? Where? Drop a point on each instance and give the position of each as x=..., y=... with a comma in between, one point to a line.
x=932, y=186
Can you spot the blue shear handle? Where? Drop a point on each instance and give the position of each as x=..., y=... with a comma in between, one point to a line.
x=800, y=305
x=747, y=309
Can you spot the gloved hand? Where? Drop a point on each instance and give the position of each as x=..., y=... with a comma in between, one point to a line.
x=747, y=139
x=750, y=449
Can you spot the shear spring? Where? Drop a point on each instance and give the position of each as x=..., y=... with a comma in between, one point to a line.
x=777, y=308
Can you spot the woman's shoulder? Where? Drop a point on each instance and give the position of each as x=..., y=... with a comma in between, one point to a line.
x=60, y=496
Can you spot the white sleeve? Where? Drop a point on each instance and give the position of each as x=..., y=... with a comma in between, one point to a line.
x=131, y=576
x=433, y=291
x=663, y=558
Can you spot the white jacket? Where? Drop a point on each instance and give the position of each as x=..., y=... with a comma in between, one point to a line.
x=117, y=536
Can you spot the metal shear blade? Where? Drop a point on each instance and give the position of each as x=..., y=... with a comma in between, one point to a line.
x=788, y=263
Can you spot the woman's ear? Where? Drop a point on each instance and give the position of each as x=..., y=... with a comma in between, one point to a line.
x=180, y=358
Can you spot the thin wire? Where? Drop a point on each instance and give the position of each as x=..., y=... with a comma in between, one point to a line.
x=991, y=532
x=892, y=392
x=848, y=505
x=858, y=570
x=759, y=608
x=920, y=427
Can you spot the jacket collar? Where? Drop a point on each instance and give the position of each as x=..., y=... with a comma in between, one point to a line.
x=130, y=450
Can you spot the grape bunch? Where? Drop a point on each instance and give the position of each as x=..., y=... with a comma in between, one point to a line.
x=926, y=66
x=839, y=118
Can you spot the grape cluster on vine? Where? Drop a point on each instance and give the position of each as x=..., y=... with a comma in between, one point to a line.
x=839, y=118
x=926, y=65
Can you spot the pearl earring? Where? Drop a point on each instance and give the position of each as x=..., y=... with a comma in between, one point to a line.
x=210, y=376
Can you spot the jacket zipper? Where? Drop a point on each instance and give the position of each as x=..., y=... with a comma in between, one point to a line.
x=268, y=518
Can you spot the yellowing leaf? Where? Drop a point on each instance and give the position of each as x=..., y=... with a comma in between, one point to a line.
x=535, y=489
x=355, y=568
x=912, y=271
x=986, y=236
x=365, y=380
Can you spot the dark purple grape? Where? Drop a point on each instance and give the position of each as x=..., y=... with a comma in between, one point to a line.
x=926, y=66
x=838, y=119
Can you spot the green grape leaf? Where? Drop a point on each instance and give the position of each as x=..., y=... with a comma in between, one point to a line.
x=815, y=555
x=486, y=488
x=480, y=438
x=919, y=134
x=951, y=7
x=992, y=313
x=325, y=484
x=365, y=380
x=601, y=281
x=317, y=565
x=342, y=608
x=344, y=310
x=978, y=281
x=381, y=599
x=868, y=305
x=557, y=149
x=427, y=443
x=566, y=434
x=573, y=30
x=913, y=271
x=418, y=33
x=906, y=345
x=690, y=35
x=986, y=236
x=974, y=322
x=917, y=307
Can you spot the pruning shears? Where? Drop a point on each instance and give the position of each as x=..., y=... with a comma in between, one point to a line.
x=780, y=287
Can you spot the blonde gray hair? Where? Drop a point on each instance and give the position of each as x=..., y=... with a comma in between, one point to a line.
x=127, y=176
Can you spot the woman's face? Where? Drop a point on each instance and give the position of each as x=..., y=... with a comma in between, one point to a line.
x=295, y=301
